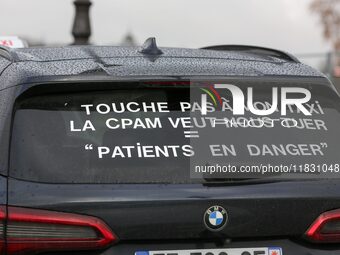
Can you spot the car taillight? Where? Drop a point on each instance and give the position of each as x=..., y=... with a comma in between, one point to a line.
x=31, y=230
x=326, y=228
x=2, y=228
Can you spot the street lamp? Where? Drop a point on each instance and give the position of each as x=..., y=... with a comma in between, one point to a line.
x=81, y=27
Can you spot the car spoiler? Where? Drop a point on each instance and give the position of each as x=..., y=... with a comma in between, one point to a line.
x=255, y=50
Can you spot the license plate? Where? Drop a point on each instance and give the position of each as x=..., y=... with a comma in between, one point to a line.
x=232, y=251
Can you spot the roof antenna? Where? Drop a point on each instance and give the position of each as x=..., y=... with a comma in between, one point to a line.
x=149, y=47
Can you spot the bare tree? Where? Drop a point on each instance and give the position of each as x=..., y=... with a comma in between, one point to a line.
x=329, y=12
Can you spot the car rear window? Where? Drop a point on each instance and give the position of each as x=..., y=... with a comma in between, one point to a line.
x=160, y=135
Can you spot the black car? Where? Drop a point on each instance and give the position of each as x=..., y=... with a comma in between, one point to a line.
x=113, y=150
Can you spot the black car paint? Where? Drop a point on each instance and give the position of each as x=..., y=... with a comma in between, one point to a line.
x=3, y=190
x=170, y=212
x=155, y=217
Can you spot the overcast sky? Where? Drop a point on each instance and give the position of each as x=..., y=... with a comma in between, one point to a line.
x=283, y=24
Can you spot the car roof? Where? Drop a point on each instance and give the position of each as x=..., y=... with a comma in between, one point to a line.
x=21, y=65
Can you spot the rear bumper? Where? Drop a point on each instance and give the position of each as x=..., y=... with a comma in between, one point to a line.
x=288, y=247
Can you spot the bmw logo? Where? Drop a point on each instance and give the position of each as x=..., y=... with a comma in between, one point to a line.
x=215, y=218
